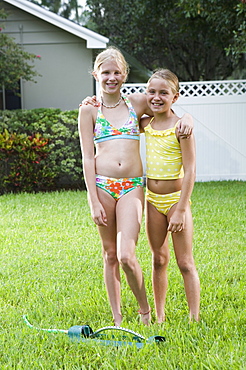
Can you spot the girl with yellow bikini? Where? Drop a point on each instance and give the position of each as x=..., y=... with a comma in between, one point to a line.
x=170, y=172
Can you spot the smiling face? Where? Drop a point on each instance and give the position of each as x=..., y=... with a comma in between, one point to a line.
x=110, y=77
x=160, y=95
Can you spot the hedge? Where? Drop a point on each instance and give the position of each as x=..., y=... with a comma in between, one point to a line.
x=39, y=150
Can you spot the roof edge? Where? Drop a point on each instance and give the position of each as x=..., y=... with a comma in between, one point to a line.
x=94, y=40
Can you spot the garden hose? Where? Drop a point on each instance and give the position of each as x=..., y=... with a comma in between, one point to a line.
x=85, y=333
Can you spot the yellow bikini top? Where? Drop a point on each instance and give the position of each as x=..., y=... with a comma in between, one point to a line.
x=163, y=154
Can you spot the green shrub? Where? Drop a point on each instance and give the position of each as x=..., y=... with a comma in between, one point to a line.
x=39, y=150
x=22, y=163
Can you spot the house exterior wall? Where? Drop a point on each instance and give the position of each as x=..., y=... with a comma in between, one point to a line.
x=219, y=112
x=64, y=65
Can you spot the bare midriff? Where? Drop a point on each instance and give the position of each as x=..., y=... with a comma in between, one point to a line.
x=118, y=158
x=164, y=186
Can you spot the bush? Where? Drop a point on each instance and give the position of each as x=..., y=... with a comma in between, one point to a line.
x=39, y=150
x=22, y=162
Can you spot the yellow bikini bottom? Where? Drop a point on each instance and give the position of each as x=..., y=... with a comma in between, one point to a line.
x=163, y=202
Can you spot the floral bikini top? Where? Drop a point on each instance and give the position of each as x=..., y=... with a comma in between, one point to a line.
x=104, y=130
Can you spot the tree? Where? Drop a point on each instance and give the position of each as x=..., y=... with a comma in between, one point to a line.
x=197, y=39
x=62, y=8
x=14, y=61
x=238, y=47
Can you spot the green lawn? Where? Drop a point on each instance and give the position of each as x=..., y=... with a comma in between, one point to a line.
x=51, y=270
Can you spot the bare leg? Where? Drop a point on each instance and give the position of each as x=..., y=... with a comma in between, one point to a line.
x=156, y=226
x=129, y=216
x=112, y=281
x=111, y=263
x=182, y=242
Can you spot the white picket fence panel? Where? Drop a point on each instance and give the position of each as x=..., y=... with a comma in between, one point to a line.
x=219, y=112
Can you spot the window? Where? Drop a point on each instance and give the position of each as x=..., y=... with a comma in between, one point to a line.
x=9, y=100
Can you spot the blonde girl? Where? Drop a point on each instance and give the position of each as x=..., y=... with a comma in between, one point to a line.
x=113, y=175
x=170, y=172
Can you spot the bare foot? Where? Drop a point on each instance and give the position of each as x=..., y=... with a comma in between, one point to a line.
x=145, y=317
x=194, y=318
x=160, y=320
x=118, y=320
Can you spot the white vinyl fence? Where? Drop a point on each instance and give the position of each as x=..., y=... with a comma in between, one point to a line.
x=219, y=112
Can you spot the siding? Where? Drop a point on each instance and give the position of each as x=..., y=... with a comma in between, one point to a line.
x=64, y=65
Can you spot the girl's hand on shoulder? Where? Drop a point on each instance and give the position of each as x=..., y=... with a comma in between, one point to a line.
x=176, y=222
x=90, y=100
x=185, y=126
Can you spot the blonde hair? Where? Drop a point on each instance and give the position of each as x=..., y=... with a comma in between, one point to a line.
x=111, y=53
x=168, y=76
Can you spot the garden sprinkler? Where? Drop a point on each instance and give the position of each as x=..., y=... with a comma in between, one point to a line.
x=84, y=333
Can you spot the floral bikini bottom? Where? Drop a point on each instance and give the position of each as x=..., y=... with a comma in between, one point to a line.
x=118, y=187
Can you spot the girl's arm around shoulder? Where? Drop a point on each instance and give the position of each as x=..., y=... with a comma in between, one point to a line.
x=144, y=121
x=139, y=102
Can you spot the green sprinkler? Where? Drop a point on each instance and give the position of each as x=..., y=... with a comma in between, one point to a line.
x=108, y=336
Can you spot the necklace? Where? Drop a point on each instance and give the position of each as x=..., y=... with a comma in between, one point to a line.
x=112, y=106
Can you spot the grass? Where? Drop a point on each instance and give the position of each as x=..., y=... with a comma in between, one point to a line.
x=51, y=270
